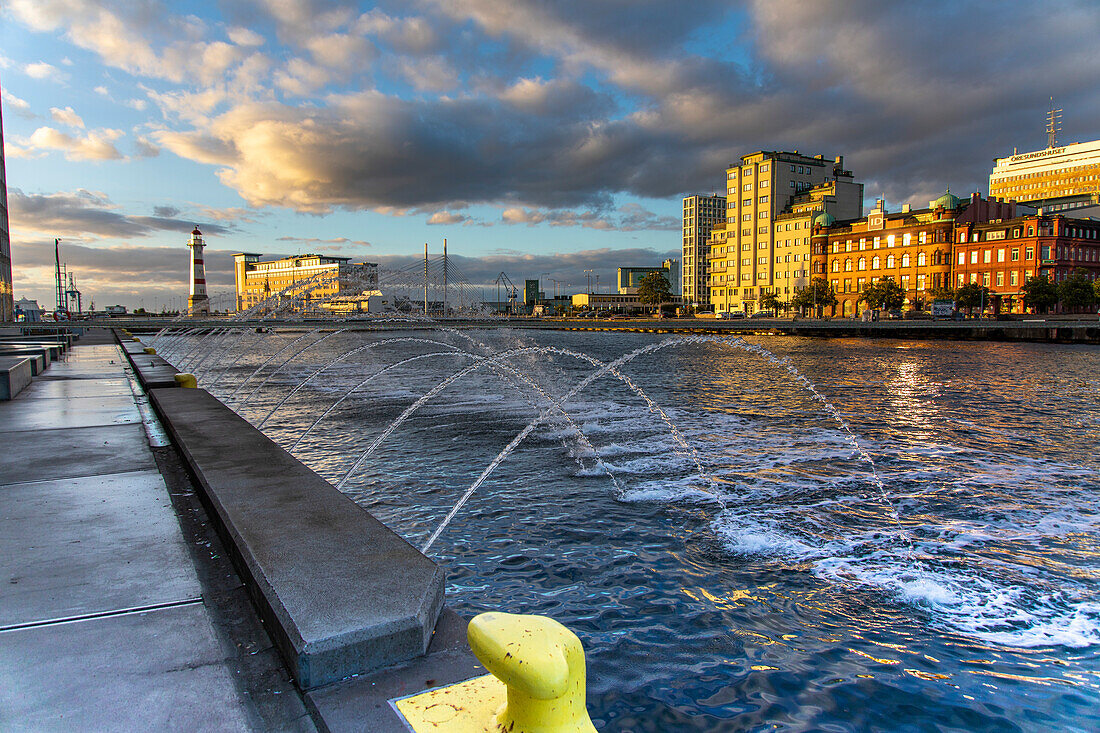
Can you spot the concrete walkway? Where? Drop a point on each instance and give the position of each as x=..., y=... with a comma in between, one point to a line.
x=106, y=621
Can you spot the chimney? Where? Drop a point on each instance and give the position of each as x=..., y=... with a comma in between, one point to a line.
x=905, y=208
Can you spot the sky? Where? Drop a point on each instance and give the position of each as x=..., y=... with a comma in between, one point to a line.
x=540, y=138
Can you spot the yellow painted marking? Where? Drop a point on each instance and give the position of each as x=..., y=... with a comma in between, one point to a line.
x=467, y=707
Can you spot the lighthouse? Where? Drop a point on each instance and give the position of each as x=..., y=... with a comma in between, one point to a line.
x=197, y=302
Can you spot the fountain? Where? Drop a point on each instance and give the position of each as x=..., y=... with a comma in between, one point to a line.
x=735, y=533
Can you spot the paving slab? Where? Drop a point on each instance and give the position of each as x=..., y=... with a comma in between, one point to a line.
x=159, y=670
x=34, y=455
x=68, y=389
x=26, y=414
x=82, y=546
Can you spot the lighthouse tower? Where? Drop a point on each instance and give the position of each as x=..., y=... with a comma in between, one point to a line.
x=197, y=302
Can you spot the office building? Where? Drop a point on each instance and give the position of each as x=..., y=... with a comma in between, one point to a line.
x=701, y=214
x=1057, y=178
x=305, y=280
x=630, y=278
x=771, y=199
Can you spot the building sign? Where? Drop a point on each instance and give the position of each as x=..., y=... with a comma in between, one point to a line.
x=1038, y=154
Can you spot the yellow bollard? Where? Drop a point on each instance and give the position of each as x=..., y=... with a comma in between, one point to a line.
x=149, y=350
x=541, y=663
x=183, y=379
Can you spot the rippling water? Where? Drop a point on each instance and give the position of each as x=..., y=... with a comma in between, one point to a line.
x=779, y=587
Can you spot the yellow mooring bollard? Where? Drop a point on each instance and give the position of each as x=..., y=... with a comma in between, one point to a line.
x=149, y=350
x=184, y=379
x=536, y=685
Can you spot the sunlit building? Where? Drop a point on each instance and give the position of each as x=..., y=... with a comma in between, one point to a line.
x=701, y=214
x=1057, y=178
x=913, y=247
x=629, y=279
x=764, y=245
x=309, y=280
x=1002, y=255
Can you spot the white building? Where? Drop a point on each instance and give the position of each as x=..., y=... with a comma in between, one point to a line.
x=1058, y=177
x=701, y=213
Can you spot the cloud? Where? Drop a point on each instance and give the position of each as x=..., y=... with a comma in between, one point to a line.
x=627, y=218
x=14, y=103
x=145, y=149
x=85, y=213
x=335, y=244
x=446, y=217
x=96, y=145
x=67, y=117
x=41, y=70
x=245, y=37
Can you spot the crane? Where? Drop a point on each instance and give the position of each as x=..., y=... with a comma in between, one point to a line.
x=511, y=290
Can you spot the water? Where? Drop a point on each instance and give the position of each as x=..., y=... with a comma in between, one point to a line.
x=796, y=601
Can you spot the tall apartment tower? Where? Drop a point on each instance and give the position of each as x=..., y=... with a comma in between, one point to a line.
x=7, y=300
x=701, y=214
x=748, y=254
x=197, y=302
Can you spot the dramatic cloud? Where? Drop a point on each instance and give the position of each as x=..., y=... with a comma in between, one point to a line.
x=447, y=217
x=85, y=214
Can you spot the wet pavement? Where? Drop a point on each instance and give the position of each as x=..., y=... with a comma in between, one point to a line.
x=109, y=617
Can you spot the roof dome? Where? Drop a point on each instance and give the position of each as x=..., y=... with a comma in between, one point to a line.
x=824, y=219
x=947, y=201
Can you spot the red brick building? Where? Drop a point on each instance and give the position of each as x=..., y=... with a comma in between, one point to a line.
x=1003, y=254
x=913, y=247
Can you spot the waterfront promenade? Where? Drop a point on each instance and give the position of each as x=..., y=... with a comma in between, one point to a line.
x=119, y=609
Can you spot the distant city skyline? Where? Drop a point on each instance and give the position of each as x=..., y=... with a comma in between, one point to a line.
x=538, y=138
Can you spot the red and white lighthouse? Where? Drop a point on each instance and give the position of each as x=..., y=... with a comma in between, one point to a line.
x=197, y=302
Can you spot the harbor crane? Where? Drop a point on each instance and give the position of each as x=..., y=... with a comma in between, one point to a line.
x=511, y=290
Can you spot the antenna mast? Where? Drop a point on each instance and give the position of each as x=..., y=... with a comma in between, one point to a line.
x=1054, y=124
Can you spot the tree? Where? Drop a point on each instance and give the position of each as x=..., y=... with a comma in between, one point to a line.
x=1039, y=293
x=1077, y=291
x=885, y=293
x=770, y=302
x=817, y=296
x=971, y=295
x=942, y=292
x=653, y=289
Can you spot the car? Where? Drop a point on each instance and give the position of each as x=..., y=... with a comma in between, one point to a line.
x=725, y=315
x=894, y=314
x=762, y=314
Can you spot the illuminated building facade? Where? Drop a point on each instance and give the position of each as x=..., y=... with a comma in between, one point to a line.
x=7, y=296
x=701, y=214
x=1002, y=255
x=771, y=199
x=1057, y=178
x=308, y=278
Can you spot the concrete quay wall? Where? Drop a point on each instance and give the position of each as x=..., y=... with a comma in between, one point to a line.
x=341, y=593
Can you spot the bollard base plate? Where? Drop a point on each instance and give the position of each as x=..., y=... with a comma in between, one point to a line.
x=466, y=707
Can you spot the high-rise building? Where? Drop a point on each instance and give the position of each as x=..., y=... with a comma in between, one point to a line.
x=7, y=298
x=1056, y=178
x=701, y=214
x=753, y=253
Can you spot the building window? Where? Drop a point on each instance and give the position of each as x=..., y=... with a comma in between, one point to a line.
x=763, y=214
x=763, y=230
x=1000, y=279
x=922, y=238
x=962, y=258
x=792, y=168
x=1016, y=255
x=877, y=242
x=906, y=239
x=764, y=183
x=921, y=282
x=962, y=280
x=747, y=202
x=835, y=266
x=746, y=217
x=1014, y=277
x=1031, y=231
x=890, y=240
x=731, y=174
x=765, y=168
x=987, y=256
x=747, y=187
x=974, y=257
x=985, y=279
x=1001, y=255
x=875, y=263
x=922, y=259
x=848, y=265
x=763, y=199
x=862, y=264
